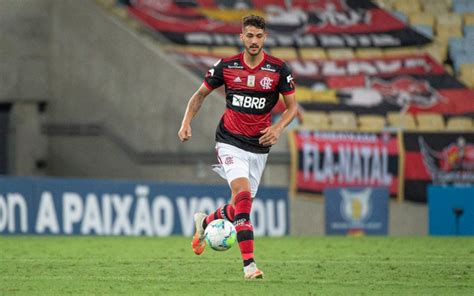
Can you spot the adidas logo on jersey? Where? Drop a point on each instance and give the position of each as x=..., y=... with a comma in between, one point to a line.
x=237, y=79
x=248, y=102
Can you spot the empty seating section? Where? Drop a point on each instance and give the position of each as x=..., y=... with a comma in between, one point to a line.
x=343, y=121
x=315, y=120
x=404, y=121
x=371, y=123
x=467, y=74
x=313, y=54
x=284, y=53
x=349, y=121
x=430, y=121
x=460, y=123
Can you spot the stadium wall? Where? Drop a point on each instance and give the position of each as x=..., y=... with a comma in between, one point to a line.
x=25, y=81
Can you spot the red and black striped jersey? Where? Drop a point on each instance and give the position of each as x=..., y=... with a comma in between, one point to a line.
x=251, y=94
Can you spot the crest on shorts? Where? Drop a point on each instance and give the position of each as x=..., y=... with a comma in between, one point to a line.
x=229, y=160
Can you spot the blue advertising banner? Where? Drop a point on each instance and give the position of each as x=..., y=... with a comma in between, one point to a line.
x=356, y=211
x=451, y=210
x=104, y=207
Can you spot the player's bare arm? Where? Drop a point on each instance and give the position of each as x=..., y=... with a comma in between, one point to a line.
x=272, y=133
x=192, y=109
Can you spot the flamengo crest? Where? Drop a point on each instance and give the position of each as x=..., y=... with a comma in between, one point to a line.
x=266, y=83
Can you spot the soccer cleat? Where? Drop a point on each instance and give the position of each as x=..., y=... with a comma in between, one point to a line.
x=198, y=242
x=252, y=272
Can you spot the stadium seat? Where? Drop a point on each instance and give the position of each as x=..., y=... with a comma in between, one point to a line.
x=401, y=120
x=448, y=32
x=284, y=53
x=460, y=123
x=428, y=121
x=400, y=51
x=421, y=18
x=407, y=6
x=313, y=53
x=340, y=53
x=456, y=46
x=469, y=19
x=459, y=59
x=304, y=94
x=449, y=20
x=224, y=51
x=467, y=74
x=469, y=31
x=371, y=122
x=437, y=50
x=228, y=15
x=315, y=119
x=435, y=7
x=462, y=6
x=425, y=30
x=343, y=121
x=368, y=53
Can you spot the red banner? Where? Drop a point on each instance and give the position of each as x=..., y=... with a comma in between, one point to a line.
x=334, y=159
x=437, y=158
x=411, y=83
x=325, y=23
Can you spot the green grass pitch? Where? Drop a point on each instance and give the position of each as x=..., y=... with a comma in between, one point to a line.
x=292, y=266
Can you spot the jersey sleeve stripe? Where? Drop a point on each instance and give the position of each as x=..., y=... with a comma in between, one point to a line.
x=288, y=92
x=207, y=85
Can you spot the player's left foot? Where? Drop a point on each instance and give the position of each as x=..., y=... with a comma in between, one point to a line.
x=198, y=242
x=252, y=272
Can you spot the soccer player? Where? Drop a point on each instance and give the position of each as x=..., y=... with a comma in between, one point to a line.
x=253, y=81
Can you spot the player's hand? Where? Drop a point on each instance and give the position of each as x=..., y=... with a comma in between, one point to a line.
x=184, y=133
x=270, y=135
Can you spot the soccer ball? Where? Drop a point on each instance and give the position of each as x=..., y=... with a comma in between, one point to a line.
x=220, y=235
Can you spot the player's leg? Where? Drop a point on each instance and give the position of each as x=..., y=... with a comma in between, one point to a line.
x=225, y=212
x=242, y=201
x=256, y=165
x=230, y=166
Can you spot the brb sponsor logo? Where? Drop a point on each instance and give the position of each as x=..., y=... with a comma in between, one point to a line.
x=248, y=102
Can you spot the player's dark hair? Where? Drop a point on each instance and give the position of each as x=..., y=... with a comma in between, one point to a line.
x=253, y=20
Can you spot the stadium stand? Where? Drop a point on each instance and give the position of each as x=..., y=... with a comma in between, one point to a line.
x=313, y=53
x=342, y=121
x=341, y=53
x=459, y=123
x=404, y=121
x=315, y=119
x=430, y=121
x=369, y=52
x=284, y=53
x=371, y=122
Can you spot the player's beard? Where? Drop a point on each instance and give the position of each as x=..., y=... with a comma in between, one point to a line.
x=249, y=50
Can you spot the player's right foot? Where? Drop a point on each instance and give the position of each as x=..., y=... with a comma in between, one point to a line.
x=198, y=242
x=252, y=272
